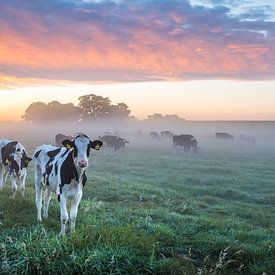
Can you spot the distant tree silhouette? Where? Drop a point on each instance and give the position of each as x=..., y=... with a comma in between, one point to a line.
x=121, y=110
x=97, y=107
x=35, y=112
x=158, y=116
x=90, y=107
x=40, y=111
x=94, y=106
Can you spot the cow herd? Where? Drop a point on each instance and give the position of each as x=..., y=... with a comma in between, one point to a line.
x=60, y=169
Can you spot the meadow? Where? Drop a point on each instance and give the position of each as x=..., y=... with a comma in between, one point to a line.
x=149, y=211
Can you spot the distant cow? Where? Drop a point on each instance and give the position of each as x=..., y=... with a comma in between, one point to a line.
x=248, y=139
x=13, y=161
x=114, y=142
x=166, y=133
x=59, y=139
x=61, y=170
x=224, y=136
x=154, y=135
x=186, y=141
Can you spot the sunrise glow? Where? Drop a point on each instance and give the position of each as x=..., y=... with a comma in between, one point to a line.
x=194, y=58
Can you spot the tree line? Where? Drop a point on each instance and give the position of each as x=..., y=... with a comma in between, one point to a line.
x=89, y=107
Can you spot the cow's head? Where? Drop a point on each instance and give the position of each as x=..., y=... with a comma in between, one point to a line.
x=81, y=146
x=14, y=155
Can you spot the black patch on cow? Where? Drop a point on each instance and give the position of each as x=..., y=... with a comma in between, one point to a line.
x=7, y=150
x=53, y=153
x=55, y=168
x=80, y=136
x=49, y=169
x=13, y=166
x=68, y=171
x=84, y=178
x=36, y=155
x=49, y=165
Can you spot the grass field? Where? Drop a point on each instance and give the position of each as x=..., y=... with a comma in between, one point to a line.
x=147, y=210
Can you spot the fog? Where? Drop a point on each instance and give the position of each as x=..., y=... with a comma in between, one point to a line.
x=138, y=133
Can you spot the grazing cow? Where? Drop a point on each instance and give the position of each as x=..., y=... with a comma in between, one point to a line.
x=59, y=139
x=114, y=142
x=154, y=135
x=248, y=139
x=61, y=170
x=224, y=136
x=167, y=134
x=13, y=160
x=186, y=141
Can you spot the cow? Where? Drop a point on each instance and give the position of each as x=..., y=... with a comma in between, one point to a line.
x=114, y=142
x=224, y=136
x=13, y=161
x=60, y=137
x=186, y=141
x=61, y=170
x=154, y=135
x=248, y=139
x=166, y=133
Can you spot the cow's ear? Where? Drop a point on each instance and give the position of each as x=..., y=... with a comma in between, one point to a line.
x=96, y=144
x=68, y=143
x=27, y=159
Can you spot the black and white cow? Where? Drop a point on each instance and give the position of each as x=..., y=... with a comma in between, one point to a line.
x=61, y=170
x=13, y=161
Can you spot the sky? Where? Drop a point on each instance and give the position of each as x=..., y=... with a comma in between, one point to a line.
x=201, y=59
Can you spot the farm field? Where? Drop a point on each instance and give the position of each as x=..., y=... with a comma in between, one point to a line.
x=147, y=210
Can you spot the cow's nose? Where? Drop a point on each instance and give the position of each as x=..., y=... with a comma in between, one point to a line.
x=82, y=164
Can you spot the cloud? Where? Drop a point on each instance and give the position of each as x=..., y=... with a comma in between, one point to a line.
x=139, y=40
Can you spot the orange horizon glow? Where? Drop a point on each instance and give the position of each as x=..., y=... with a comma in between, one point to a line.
x=192, y=100
x=202, y=62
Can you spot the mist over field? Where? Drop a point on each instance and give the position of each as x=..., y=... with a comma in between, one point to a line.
x=150, y=209
x=139, y=131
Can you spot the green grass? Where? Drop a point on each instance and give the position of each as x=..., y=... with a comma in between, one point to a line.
x=149, y=211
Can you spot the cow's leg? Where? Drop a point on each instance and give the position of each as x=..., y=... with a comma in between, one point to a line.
x=63, y=214
x=6, y=170
x=22, y=183
x=38, y=192
x=13, y=185
x=74, y=209
x=47, y=199
x=4, y=176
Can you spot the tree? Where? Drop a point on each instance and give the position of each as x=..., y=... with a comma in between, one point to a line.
x=97, y=107
x=161, y=117
x=40, y=111
x=35, y=112
x=94, y=106
x=120, y=111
